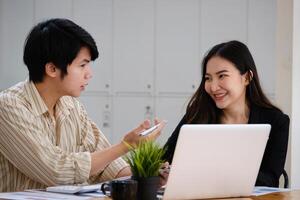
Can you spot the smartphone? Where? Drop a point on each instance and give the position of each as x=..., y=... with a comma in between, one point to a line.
x=149, y=130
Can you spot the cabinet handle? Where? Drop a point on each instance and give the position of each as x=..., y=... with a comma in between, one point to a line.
x=106, y=118
x=148, y=113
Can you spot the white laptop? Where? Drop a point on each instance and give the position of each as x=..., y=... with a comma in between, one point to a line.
x=216, y=161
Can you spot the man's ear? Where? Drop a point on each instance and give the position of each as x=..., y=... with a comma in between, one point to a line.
x=51, y=70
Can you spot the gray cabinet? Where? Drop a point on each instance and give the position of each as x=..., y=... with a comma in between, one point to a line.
x=96, y=17
x=177, y=47
x=262, y=41
x=15, y=23
x=129, y=112
x=150, y=51
x=222, y=21
x=133, y=46
x=172, y=109
x=45, y=9
x=99, y=110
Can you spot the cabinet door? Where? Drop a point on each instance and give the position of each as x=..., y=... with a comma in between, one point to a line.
x=171, y=109
x=99, y=110
x=96, y=17
x=16, y=20
x=222, y=21
x=129, y=112
x=177, y=46
x=45, y=9
x=133, y=28
x=262, y=41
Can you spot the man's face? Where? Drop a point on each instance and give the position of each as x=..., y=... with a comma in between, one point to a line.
x=78, y=76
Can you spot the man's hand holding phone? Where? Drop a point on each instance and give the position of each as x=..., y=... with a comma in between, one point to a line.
x=150, y=130
x=144, y=132
x=153, y=132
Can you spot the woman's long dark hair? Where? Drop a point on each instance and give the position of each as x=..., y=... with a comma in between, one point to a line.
x=201, y=108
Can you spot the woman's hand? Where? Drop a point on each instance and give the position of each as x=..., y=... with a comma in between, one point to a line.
x=164, y=173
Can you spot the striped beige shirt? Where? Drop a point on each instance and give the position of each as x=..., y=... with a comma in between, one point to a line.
x=37, y=150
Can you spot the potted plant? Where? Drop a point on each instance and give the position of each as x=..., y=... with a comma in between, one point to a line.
x=145, y=161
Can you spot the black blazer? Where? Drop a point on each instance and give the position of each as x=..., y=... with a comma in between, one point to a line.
x=274, y=157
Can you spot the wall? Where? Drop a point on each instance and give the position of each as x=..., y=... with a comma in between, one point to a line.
x=288, y=79
x=295, y=126
x=150, y=50
x=284, y=51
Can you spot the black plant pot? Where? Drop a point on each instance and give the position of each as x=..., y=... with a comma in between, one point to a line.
x=147, y=187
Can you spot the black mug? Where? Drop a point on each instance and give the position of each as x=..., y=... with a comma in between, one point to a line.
x=121, y=189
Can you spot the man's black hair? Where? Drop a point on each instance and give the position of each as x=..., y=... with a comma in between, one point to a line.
x=57, y=41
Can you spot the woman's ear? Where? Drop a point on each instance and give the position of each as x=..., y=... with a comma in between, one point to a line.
x=249, y=76
x=51, y=70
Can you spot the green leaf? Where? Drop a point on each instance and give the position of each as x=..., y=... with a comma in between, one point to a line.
x=146, y=159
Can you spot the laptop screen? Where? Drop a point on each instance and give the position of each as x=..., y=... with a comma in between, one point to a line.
x=212, y=161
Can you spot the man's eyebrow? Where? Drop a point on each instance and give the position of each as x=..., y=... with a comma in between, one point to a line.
x=85, y=60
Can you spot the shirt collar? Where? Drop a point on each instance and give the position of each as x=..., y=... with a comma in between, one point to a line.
x=63, y=105
x=38, y=105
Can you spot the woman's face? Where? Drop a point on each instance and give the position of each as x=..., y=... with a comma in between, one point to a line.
x=225, y=84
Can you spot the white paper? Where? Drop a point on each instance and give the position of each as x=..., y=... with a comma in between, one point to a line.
x=260, y=190
x=40, y=195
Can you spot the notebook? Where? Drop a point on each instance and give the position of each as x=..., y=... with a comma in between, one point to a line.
x=216, y=161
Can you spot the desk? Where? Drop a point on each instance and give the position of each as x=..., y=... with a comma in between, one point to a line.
x=292, y=195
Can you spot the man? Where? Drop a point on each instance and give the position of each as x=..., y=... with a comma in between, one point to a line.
x=46, y=137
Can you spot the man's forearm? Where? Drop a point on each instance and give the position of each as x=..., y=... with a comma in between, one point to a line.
x=100, y=159
x=124, y=172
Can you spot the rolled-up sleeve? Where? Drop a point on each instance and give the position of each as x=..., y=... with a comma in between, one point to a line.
x=112, y=170
x=95, y=140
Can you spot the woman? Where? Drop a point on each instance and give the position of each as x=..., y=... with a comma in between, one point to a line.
x=230, y=93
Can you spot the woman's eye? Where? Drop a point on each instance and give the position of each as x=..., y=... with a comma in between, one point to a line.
x=222, y=76
x=206, y=79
